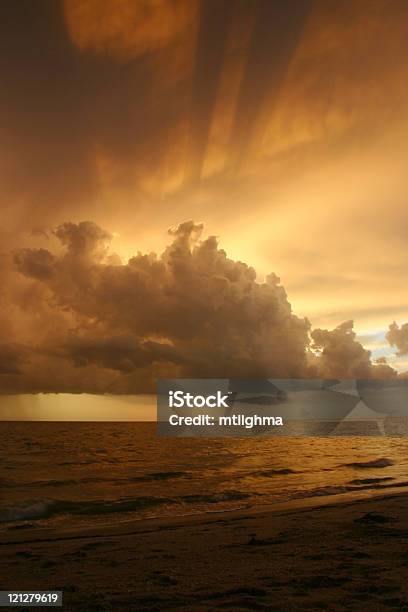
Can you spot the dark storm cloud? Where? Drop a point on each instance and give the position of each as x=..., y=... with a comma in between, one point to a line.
x=103, y=326
x=192, y=308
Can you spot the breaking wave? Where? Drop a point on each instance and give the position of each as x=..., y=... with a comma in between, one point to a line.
x=42, y=509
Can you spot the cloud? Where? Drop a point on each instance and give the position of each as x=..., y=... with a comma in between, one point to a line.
x=91, y=323
x=398, y=337
x=191, y=310
x=342, y=356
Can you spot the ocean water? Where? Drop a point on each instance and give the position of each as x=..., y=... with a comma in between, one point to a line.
x=76, y=475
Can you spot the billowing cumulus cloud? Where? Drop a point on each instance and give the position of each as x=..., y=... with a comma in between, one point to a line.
x=190, y=311
x=342, y=356
x=90, y=323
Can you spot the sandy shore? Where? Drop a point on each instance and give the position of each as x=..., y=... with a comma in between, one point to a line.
x=344, y=556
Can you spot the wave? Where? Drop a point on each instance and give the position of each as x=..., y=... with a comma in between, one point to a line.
x=275, y=472
x=34, y=510
x=366, y=465
x=149, y=477
x=31, y=510
x=349, y=488
x=43, y=509
x=364, y=481
x=47, y=508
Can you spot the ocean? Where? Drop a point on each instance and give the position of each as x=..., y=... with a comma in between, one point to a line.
x=79, y=475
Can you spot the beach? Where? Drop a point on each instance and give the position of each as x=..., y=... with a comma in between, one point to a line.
x=119, y=519
x=333, y=554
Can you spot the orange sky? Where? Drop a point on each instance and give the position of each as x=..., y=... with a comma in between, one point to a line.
x=281, y=126
x=319, y=187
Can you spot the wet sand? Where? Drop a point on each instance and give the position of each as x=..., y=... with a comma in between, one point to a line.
x=342, y=556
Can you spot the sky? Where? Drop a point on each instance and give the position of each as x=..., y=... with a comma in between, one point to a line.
x=270, y=137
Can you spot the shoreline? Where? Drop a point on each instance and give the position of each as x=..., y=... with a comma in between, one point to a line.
x=157, y=523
